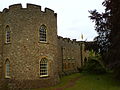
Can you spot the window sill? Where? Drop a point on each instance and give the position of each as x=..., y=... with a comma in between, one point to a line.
x=43, y=42
x=7, y=43
x=7, y=77
x=42, y=76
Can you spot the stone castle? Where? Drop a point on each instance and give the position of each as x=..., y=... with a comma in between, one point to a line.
x=32, y=55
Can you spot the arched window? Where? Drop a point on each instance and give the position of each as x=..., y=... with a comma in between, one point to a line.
x=7, y=69
x=7, y=33
x=43, y=67
x=42, y=33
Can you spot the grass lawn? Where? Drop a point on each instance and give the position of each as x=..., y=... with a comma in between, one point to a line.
x=86, y=82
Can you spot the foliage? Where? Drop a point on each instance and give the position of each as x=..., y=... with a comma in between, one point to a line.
x=113, y=56
x=91, y=53
x=102, y=28
x=94, y=66
x=94, y=55
x=107, y=25
x=114, y=53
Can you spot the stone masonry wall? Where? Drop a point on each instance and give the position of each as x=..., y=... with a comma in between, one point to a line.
x=0, y=45
x=25, y=51
x=69, y=55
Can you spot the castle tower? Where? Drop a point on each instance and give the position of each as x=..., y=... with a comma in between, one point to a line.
x=29, y=45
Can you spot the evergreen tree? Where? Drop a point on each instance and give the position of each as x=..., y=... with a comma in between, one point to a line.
x=114, y=51
x=107, y=25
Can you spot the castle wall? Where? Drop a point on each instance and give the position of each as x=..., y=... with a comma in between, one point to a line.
x=25, y=51
x=0, y=44
x=69, y=55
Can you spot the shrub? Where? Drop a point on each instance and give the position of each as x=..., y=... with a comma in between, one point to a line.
x=94, y=66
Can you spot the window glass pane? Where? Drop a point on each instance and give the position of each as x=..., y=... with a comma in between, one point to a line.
x=42, y=33
x=43, y=67
x=7, y=69
x=7, y=34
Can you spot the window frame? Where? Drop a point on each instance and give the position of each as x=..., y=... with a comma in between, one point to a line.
x=7, y=34
x=42, y=33
x=7, y=68
x=42, y=62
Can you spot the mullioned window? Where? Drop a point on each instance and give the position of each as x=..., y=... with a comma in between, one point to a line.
x=8, y=34
x=7, y=69
x=42, y=33
x=43, y=67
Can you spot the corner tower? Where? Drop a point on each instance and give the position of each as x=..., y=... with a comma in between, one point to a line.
x=29, y=46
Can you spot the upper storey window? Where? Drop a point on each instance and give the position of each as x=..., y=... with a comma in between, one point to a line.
x=7, y=34
x=42, y=33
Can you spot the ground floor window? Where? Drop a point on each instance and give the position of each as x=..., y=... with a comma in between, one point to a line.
x=7, y=69
x=43, y=67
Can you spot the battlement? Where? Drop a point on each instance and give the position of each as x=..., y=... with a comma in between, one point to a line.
x=30, y=7
x=15, y=7
x=68, y=40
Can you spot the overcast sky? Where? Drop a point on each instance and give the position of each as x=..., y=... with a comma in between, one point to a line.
x=72, y=15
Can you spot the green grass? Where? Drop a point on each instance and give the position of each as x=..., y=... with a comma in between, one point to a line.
x=96, y=82
x=88, y=82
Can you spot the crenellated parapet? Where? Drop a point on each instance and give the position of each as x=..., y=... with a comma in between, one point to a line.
x=15, y=7
x=68, y=40
x=29, y=7
x=60, y=37
x=33, y=7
